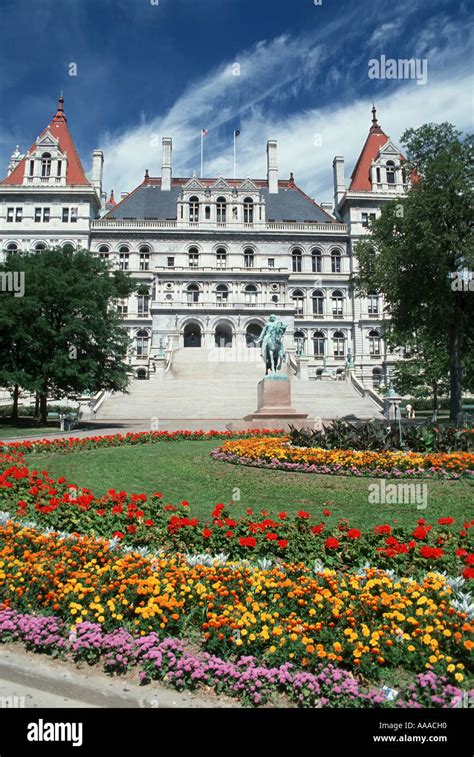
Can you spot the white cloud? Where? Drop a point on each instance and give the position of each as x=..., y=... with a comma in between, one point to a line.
x=384, y=33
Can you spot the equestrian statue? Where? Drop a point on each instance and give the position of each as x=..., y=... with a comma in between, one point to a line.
x=271, y=339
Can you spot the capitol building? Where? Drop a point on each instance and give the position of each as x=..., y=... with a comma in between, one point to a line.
x=218, y=255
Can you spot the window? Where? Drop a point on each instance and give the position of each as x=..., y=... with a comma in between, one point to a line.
x=12, y=247
x=73, y=215
x=124, y=258
x=249, y=258
x=367, y=219
x=59, y=167
x=374, y=342
x=193, y=257
x=193, y=293
x=143, y=304
x=40, y=246
x=271, y=262
x=318, y=344
x=248, y=210
x=46, y=215
x=318, y=302
x=170, y=262
x=376, y=377
x=37, y=215
x=10, y=215
x=337, y=304
x=143, y=342
x=297, y=258
x=339, y=344
x=103, y=252
x=378, y=175
x=122, y=307
x=222, y=293
x=316, y=261
x=298, y=300
x=46, y=165
x=207, y=212
x=221, y=257
x=372, y=303
x=32, y=167
x=300, y=339
x=194, y=209
x=221, y=210
x=390, y=167
x=250, y=294
x=336, y=261
x=18, y=215
x=65, y=215
x=144, y=259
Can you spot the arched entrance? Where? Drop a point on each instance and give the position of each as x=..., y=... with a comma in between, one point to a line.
x=253, y=333
x=142, y=374
x=192, y=335
x=223, y=335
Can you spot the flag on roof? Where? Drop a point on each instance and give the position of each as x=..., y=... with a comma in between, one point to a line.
x=237, y=133
x=204, y=132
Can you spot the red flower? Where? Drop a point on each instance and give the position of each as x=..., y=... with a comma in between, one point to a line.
x=149, y=522
x=318, y=529
x=391, y=541
x=230, y=522
x=385, y=529
x=470, y=559
x=468, y=573
x=390, y=552
x=445, y=521
x=421, y=521
x=354, y=533
x=117, y=510
x=283, y=543
x=282, y=516
x=118, y=534
x=217, y=510
x=461, y=552
x=169, y=508
x=303, y=514
x=421, y=532
x=331, y=543
x=431, y=552
x=247, y=541
x=412, y=544
x=271, y=536
x=249, y=512
x=100, y=512
x=158, y=495
x=206, y=533
x=185, y=503
x=229, y=534
x=326, y=513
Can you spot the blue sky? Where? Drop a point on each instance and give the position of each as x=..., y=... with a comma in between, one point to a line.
x=148, y=70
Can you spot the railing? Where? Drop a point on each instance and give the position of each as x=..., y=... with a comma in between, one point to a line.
x=275, y=226
x=365, y=392
x=98, y=400
x=239, y=305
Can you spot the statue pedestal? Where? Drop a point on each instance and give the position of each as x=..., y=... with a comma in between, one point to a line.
x=274, y=401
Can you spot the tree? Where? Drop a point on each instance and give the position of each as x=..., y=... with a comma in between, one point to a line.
x=420, y=245
x=64, y=334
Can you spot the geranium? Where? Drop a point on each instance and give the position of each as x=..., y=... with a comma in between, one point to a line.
x=445, y=521
x=421, y=532
x=383, y=530
x=118, y=535
x=206, y=533
x=303, y=514
x=326, y=513
x=247, y=541
x=282, y=515
x=331, y=543
x=354, y=533
x=431, y=552
x=283, y=543
x=318, y=529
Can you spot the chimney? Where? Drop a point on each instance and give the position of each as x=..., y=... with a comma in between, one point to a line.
x=272, y=167
x=166, y=164
x=97, y=169
x=339, y=183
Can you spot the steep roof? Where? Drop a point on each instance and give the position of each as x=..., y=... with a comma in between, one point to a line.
x=58, y=128
x=147, y=201
x=360, y=179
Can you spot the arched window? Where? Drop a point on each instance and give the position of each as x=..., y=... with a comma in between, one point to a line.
x=221, y=210
x=297, y=257
x=316, y=261
x=143, y=342
x=249, y=258
x=144, y=252
x=318, y=302
x=339, y=344
x=194, y=209
x=12, y=247
x=390, y=168
x=124, y=257
x=46, y=164
x=223, y=335
x=192, y=335
x=376, y=377
x=68, y=247
x=193, y=293
x=248, y=210
x=336, y=261
x=372, y=303
x=193, y=257
x=39, y=246
x=300, y=342
x=337, y=300
x=319, y=342
x=250, y=292
x=103, y=252
x=142, y=374
x=221, y=257
x=222, y=293
x=374, y=342
x=253, y=333
x=298, y=300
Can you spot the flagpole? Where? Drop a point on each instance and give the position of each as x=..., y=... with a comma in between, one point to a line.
x=202, y=153
x=235, y=156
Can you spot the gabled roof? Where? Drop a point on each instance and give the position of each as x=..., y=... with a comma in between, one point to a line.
x=147, y=201
x=360, y=179
x=58, y=129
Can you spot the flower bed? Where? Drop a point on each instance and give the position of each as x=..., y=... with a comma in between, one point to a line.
x=365, y=621
x=252, y=683
x=138, y=520
x=71, y=443
x=276, y=453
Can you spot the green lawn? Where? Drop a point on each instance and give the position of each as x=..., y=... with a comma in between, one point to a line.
x=25, y=427
x=184, y=470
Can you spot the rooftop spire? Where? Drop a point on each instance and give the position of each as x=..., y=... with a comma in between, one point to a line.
x=60, y=115
x=375, y=124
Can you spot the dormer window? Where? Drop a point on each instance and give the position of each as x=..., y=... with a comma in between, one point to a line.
x=248, y=210
x=221, y=210
x=46, y=165
x=194, y=209
x=390, y=168
x=32, y=167
x=58, y=173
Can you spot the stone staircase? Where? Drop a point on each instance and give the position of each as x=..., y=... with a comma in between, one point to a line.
x=203, y=384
